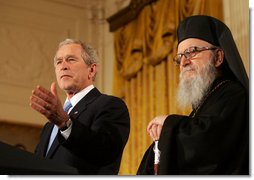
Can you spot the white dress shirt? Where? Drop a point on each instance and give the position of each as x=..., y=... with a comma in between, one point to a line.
x=74, y=100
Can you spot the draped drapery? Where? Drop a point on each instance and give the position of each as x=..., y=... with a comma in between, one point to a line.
x=144, y=73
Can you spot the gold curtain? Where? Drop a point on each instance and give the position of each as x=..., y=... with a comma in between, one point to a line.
x=144, y=74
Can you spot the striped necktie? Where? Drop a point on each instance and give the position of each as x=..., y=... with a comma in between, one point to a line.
x=67, y=106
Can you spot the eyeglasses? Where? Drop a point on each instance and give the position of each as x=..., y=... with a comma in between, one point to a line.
x=190, y=53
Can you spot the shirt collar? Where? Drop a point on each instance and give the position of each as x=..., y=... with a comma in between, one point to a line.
x=77, y=97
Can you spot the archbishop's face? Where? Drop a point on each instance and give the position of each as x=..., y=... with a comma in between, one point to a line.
x=192, y=66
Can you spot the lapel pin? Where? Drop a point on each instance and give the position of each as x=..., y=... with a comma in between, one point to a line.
x=76, y=112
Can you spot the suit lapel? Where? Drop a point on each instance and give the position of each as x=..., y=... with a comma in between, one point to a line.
x=53, y=147
x=82, y=104
x=42, y=147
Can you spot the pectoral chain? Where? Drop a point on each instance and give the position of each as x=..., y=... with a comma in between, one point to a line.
x=205, y=98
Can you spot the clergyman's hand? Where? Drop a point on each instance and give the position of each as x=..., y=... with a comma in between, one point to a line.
x=155, y=126
x=48, y=104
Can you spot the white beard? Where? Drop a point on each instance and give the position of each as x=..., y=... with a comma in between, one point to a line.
x=191, y=91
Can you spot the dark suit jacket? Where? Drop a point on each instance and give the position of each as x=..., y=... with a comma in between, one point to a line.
x=100, y=129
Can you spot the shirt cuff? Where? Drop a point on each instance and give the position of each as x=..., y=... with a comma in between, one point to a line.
x=66, y=133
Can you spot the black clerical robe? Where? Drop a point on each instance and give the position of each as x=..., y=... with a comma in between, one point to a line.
x=212, y=140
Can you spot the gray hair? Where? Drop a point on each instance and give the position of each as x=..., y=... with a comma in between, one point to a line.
x=89, y=54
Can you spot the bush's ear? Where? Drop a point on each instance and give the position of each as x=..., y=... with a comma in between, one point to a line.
x=92, y=71
x=219, y=57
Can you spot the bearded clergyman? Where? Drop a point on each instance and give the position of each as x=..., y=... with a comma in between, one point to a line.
x=214, y=138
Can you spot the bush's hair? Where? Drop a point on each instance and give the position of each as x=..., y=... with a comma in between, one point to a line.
x=89, y=54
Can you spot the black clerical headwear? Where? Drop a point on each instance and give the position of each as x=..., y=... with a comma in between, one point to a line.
x=217, y=33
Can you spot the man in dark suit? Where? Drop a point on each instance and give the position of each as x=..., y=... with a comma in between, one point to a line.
x=91, y=132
